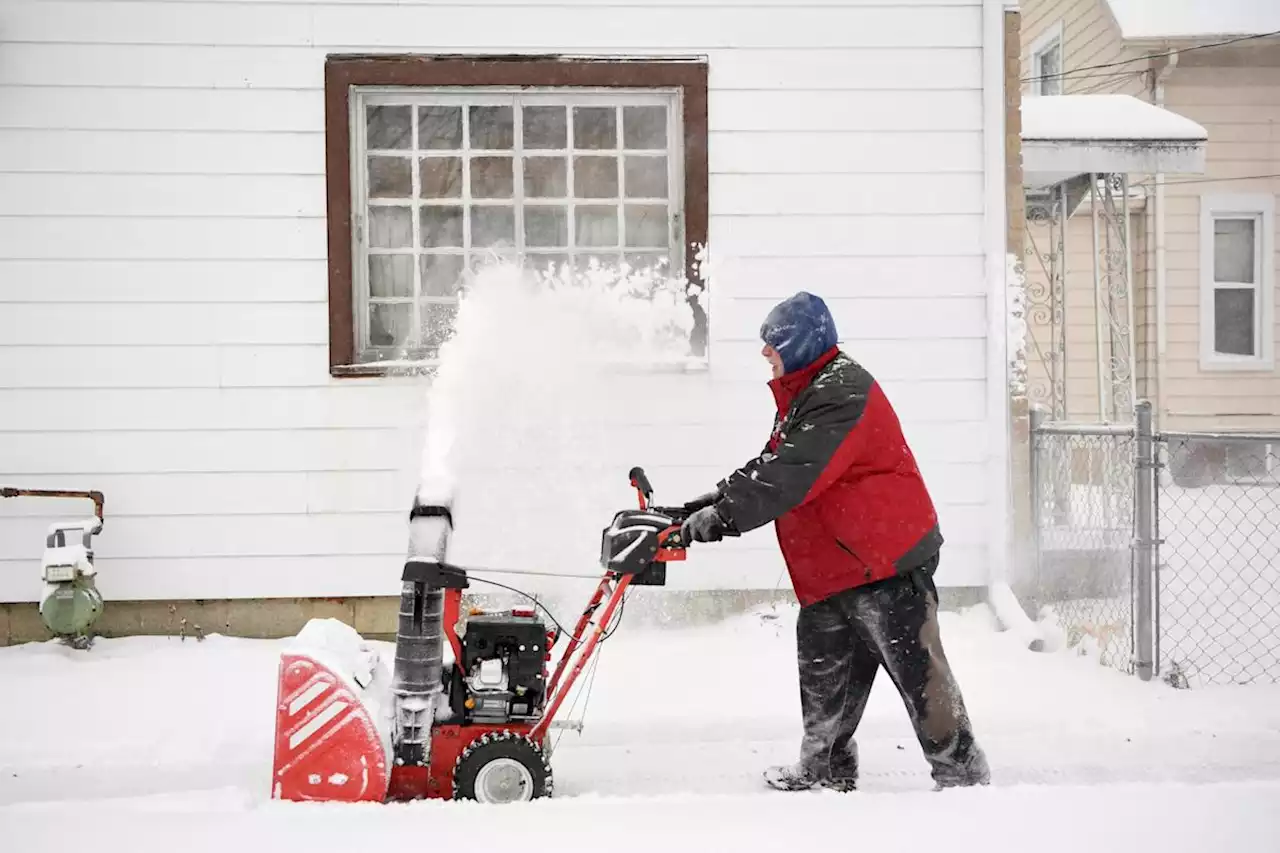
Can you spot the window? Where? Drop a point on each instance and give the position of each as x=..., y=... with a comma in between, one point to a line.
x=438, y=166
x=1046, y=62
x=1237, y=282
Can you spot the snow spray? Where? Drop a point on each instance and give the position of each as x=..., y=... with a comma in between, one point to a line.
x=522, y=413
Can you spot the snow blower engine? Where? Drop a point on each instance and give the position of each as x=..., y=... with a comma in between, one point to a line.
x=472, y=725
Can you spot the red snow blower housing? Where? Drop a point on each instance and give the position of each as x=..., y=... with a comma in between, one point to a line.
x=474, y=727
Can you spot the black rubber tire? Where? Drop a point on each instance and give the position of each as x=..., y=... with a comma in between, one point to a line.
x=496, y=745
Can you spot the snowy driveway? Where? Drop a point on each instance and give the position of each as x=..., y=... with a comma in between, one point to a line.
x=165, y=745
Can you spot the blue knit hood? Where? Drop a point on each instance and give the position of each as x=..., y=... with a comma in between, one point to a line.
x=801, y=329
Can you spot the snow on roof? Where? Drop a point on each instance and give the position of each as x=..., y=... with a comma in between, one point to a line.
x=1103, y=117
x=1154, y=19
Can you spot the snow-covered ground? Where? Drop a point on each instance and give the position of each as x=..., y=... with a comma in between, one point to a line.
x=157, y=744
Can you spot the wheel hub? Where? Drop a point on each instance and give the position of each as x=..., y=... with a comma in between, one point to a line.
x=504, y=780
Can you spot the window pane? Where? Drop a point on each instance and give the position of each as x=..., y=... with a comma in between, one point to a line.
x=546, y=177
x=547, y=263
x=388, y=127
x=648, y=263
x=1049, y=69
x=391, y=275
x=1233, y=320
x=595, y=127
x=493, y=226
x=1233, y=246
x=440, y=177
x=646, y=225
x=437, y=326
x=390, y=177
x=644, y=127
x=440, y=127
x=441, y=274
x=546, y=226
x=596, y=225
x=595, y=177
x=491, y=177
x=390, y=227
x=441, y=225
x=546, y=127
x=645, y=177
x=389, y=324
x=604, y=265
x=492, y=127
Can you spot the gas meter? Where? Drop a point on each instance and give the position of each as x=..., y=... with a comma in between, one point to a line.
x=70, y=602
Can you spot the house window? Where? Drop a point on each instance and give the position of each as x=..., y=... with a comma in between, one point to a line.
x=1046, y=63
x=451, y=164
x=1237, y=275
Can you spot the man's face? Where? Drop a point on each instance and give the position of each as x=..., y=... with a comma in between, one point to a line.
x=775, y=360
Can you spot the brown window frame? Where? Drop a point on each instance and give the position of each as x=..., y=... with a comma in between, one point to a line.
x=343, y=71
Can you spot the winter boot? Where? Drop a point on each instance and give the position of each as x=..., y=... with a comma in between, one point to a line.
x=795, y=777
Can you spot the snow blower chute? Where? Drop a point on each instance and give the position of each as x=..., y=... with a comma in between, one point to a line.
x=473, y=726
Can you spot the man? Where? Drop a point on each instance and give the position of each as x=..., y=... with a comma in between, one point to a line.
x=860, y=537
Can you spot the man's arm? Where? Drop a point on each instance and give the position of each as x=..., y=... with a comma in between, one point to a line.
x=820, y=441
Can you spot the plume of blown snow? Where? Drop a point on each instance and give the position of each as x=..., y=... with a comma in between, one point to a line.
x=523, y=408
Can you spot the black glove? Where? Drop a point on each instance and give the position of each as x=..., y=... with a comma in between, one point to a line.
x=702, y=501
x=705, y=525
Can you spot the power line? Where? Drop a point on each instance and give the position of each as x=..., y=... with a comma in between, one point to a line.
x=1149, y=56
x=1169, y=182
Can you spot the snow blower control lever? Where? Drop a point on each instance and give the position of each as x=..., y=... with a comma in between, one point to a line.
x=475, y=726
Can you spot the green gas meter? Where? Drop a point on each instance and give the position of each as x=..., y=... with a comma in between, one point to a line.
x=70, y=603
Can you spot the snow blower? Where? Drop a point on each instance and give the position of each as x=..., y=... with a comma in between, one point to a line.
x=472, y=725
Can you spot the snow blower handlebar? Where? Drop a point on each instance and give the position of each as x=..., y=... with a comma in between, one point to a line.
x=637, y=561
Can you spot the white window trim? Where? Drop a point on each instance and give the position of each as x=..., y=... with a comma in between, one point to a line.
x=1263, y=206
x=497, y=96
x=1047, y=39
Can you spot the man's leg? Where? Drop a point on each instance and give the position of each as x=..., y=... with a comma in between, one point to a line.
x=826, y=647
x=899, y=617
x=863, y=666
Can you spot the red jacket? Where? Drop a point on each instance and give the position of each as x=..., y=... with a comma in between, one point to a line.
x=840, y=482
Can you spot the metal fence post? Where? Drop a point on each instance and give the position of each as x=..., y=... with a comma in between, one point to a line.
x=1036, y=419
x=1144, y=538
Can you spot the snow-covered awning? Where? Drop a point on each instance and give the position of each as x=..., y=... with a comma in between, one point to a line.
x=1068, y=135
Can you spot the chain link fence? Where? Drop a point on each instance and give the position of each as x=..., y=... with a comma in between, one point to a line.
x=1159, y=553
x=1082, y=510
x=1218, y=534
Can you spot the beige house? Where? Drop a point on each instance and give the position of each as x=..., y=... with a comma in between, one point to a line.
x=1203, y=248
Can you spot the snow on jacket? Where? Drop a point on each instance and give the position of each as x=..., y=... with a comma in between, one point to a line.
x=839, y=480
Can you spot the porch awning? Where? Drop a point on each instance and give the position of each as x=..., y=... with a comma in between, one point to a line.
x=1064, y=136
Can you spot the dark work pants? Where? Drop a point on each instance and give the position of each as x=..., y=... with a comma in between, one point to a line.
x=842, y=642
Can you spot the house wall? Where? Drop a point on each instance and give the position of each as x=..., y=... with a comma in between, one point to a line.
x=1239, y=106
x=1090, y=38
x=163, y=333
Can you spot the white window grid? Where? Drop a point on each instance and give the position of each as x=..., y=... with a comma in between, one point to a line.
x=1260, y=208
x=466, y=97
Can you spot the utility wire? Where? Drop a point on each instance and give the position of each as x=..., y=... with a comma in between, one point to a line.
x=1149, y=56
x=1175, y=182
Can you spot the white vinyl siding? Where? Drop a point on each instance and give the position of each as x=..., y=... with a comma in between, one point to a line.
x=164, y=292
x=1237, y=282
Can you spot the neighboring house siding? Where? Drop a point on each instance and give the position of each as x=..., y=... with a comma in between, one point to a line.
x=1089, y=38
x=1240, y=108
x=164, y=333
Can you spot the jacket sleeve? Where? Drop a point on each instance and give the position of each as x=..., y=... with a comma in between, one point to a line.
x=817, y=447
